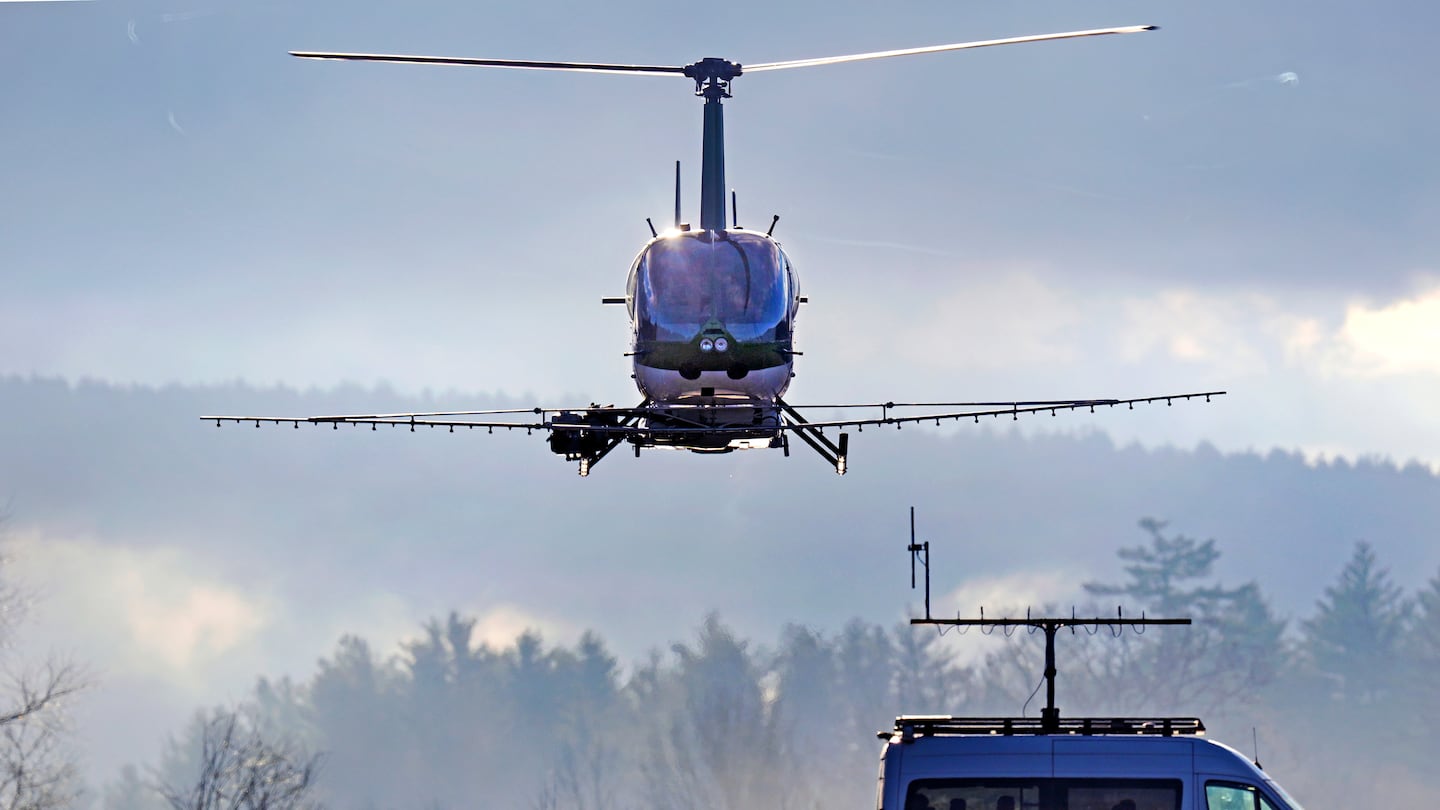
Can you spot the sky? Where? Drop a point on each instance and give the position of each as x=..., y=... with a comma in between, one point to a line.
x=1239, y=200
x=1243, y=200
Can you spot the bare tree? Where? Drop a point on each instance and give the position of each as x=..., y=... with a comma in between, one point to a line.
x=36, y=771
x=585, y=777
x=239, y=769
x=36, y=768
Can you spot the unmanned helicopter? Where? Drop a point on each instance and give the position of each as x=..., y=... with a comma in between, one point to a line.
x=712, y=313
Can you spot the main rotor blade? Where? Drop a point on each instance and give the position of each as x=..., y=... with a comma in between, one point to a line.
x=524, y=64
x=958, y=46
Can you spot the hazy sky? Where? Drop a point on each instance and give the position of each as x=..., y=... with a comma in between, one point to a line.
x=1243, y=200
x=1246, y=199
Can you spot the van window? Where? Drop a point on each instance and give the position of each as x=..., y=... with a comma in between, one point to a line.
x=1235, y=796
x=1044, y=794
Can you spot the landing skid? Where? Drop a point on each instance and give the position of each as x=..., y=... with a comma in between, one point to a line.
x=830, y=451
x=588, y=436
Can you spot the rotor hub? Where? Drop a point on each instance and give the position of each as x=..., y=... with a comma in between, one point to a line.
x=712, y=76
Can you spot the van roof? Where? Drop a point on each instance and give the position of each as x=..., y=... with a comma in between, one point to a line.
x=910, y=726
x=1133, y=751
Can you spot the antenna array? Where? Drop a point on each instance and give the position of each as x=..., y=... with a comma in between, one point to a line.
x=1050, y=715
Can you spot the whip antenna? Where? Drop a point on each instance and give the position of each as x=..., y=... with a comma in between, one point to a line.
x=915, y=551
x=677, y=195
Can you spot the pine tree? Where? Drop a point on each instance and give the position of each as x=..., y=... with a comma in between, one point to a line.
x=1231, y=651
x=1354, y=641
x=717, y=747
x=1423, y=655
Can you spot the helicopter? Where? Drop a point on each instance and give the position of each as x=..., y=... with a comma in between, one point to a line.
x=712, y=313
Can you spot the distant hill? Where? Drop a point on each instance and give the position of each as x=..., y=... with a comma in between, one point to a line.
x=465, y=519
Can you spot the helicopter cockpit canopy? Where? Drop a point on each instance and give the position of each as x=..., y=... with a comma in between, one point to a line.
x=739, y=280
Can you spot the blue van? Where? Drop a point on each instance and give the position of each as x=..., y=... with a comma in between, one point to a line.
x=954, y=763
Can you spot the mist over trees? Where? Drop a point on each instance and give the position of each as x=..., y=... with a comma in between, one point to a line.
x=1339, y=700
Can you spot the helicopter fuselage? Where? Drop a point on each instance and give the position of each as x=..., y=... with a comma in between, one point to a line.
x=712, y=317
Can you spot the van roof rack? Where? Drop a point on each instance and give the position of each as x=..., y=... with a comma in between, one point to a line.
x=910, y=726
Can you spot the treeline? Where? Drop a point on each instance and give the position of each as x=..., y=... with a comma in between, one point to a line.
x=1343, y=700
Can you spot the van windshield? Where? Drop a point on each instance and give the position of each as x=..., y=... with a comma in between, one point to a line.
x=1221, y=795
x=1044, y=794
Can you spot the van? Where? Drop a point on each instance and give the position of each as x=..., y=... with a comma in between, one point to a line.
x=953, y=763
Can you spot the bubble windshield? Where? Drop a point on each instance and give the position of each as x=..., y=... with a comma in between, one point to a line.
x=739, y=280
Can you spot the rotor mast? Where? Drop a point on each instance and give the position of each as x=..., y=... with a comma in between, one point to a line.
x=712, y=82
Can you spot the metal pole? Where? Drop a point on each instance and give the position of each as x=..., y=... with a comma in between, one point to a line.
x=1050, y=715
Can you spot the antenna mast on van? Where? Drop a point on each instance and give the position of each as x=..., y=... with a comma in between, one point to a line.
x=1050, y=715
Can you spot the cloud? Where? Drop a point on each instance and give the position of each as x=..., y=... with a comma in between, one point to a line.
x=499, y=627
x=1025, y=320
x=1012, y=593
x=1392, y=339
x=147, y=612
x=160, y=613
x=1000, y=322
x=1234, y=331
x=1004, y=595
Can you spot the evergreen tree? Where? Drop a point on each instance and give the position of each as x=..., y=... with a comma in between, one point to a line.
x=810, y=719
x=865, y=660
x=361, y=721
x=591, y=761
x=1350, y=676
x=1222, y=661
x=1230, y=652
x=719, y=749
x=1423, y=645
x=1353, y=642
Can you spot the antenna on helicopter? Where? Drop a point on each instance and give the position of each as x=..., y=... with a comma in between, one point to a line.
x=774, y=218
x=1050, y=715
x=653, y=232
x=677, y=195
x=734, y=212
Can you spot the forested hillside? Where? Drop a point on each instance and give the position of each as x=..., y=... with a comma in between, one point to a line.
x=1337, y=703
